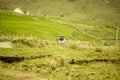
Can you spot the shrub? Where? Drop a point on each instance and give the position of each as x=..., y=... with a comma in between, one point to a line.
x=73, y=46
x=97, y=49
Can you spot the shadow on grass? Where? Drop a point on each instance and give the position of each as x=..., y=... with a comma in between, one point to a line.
x=12, y=59
x=79, y=62
x=8, y=59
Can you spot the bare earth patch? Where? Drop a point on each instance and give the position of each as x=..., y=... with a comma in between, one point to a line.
x=13, y=75
x=5, y=45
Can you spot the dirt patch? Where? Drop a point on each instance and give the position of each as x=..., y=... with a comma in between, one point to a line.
x=14, y=75
x=5, y=45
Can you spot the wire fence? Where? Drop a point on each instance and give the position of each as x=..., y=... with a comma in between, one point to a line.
x=8, y=37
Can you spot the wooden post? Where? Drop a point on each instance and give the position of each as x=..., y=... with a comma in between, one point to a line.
x=31, y=36
x=117, y=33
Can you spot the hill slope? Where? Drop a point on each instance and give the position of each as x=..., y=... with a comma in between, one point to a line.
x=100, y=12
x=15, y=24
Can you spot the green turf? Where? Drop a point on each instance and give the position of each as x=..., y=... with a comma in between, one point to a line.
x=15, y=24
x=41, y=59
x=60, y=63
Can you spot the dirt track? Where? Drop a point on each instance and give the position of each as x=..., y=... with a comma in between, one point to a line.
x=5, y=45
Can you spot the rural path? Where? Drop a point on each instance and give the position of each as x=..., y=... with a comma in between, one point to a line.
x=5, y=45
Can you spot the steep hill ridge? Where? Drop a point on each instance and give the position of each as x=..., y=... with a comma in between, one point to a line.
x=100, y=12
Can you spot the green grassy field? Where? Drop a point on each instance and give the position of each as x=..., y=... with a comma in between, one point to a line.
x=60, y=62
x=35, y=54
x=26, y=26
x=15, y=24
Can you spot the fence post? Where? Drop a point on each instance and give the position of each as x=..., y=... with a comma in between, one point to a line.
x=117, y=33
x=31, y=36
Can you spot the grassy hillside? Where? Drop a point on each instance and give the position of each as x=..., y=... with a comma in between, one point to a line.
x=100, y=12
x=84, y=24
x=15, y=24
x=12, y=25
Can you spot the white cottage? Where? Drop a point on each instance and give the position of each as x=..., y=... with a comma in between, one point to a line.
x=21, y=11
x=18, y=10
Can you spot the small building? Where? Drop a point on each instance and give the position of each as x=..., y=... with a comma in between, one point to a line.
x=21, y=11
x=27, y=13
x=18, y=10
x=44, y=15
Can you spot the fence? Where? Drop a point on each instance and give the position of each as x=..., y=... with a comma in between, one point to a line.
x=7, y=37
